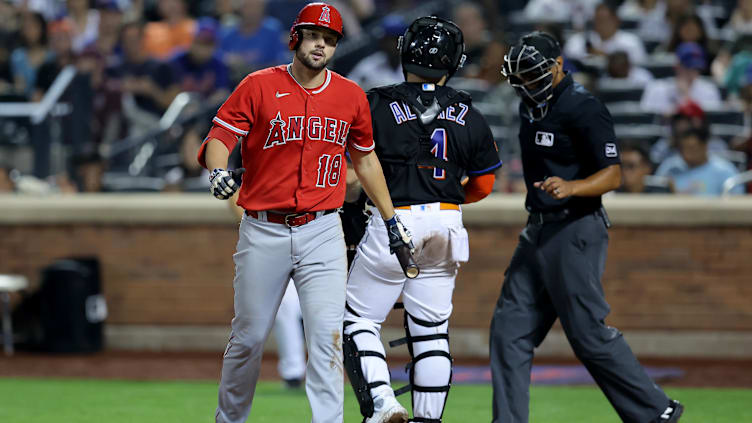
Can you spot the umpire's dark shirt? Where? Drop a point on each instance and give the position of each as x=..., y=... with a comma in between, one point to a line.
x=575, y=140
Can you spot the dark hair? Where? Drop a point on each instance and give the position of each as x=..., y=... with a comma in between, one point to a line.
x=675, y=41
x=610, y=6
x=131, y=24
x=43, y=37
x=702, y=127
x=699, y=133
x=639, y=148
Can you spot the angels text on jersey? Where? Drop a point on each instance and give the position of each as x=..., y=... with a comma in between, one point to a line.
x=316, y=128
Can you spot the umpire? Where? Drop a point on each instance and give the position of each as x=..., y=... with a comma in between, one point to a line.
x=570, y=158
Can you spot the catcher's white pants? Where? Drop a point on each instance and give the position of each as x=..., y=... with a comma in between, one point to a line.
x=376, y=281
x=289, y=335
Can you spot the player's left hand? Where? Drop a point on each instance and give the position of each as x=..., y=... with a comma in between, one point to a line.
x=556, y=187
x=224, y=183
x=401, y=245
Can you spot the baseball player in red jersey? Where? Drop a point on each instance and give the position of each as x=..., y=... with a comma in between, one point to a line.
x=294, y=123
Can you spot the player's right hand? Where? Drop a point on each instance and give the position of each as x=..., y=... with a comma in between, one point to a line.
x=224, y=183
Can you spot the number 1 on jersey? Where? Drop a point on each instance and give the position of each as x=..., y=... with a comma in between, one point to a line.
x=439, y=147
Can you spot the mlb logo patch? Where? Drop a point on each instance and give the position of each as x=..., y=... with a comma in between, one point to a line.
x=545, y=139
x=611, y=150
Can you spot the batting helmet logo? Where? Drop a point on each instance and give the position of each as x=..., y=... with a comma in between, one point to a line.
x=324, y=15
x=316, y=15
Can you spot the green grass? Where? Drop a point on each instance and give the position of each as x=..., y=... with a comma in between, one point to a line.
x=97, y=401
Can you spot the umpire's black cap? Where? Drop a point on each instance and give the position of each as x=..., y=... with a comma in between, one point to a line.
x=544, y=43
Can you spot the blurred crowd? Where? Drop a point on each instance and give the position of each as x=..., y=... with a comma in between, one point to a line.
x=675, y=74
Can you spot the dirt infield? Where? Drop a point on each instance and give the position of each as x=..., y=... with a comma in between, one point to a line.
x=207, y=366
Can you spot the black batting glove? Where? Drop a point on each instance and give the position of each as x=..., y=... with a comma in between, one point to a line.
x=224, y=183
x=399, y=236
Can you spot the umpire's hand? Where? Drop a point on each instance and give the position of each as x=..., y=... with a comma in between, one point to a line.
x=224, y=183
x=556, y=187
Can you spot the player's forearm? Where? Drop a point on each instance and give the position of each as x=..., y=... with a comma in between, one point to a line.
x=599, y=183
x=216, y=154
x=237, y=211
x=352, y=191
x=371, y=177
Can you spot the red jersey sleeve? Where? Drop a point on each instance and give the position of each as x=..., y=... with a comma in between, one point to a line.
x=235, y=117
x=361, y=131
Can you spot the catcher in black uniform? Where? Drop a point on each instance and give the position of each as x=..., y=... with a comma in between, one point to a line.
x=428, y=139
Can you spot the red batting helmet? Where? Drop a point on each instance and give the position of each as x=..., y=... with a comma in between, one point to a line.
x=316, y=14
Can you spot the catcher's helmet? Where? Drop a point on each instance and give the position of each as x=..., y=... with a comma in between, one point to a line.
x=527, y=66
x=432, y=47
x=316, y=14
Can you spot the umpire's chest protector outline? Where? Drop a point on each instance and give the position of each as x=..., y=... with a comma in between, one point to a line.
x=294, y=139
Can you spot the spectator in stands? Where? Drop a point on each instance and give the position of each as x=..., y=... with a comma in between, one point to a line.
x=730, y=66
x=88, y=170
x=189, y=175
x=9, y=17
x=7, y=90
x=743, y=142
x=636, y=169
x=383, y=67
x=9, y=23
x=650, y=16
x=741, y=18
x=111, y=21
x=148, y=86
x=605, y=38
x=665, y=96
x=676, y=10
x=61, y=45
x=6, y=184
x=199, y=69
x=690, y=29
x=618, y=68
x=51, y=9
x=688, y=116
x=33, y=52
x=224, y=12
x=256, y=42
x=84, y=21
x=173, y=33
x=560, y=11
x=469, y=18
x=696, y=172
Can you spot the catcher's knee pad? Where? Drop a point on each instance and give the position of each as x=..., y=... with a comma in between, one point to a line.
x=365, y=361
x=430, y=368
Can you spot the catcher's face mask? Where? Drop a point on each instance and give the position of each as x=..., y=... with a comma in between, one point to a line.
x=529, y=72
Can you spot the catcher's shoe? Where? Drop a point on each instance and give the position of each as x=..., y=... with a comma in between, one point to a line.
x=388, y=410
x=672, y=413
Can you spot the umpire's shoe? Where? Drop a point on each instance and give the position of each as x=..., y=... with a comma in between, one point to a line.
x=672, y=414
x=388, y=410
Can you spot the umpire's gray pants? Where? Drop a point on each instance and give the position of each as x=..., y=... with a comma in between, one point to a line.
x=556, y=272
x=268, y=254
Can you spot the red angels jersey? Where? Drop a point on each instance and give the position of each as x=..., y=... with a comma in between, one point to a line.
x=294, y=139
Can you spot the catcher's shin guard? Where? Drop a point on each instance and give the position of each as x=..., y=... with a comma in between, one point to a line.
x=430, y=368
x=365, y=362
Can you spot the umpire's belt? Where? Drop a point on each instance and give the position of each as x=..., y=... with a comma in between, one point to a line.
x=539, y=218
x=290, y=219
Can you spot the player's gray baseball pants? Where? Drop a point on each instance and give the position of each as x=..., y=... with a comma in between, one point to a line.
x=268, y=254
x=556, y=272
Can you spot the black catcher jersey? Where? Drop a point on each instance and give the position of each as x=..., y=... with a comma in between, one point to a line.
x=427, y=138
